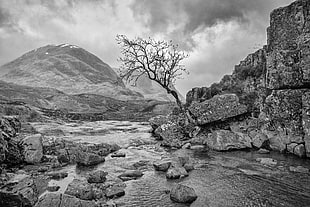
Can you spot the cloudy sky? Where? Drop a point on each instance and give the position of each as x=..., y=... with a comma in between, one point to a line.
x=216, y=33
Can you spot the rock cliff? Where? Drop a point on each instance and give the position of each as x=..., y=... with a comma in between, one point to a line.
x=274, y=82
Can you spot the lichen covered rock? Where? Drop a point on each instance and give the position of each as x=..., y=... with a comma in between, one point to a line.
x=218, y=108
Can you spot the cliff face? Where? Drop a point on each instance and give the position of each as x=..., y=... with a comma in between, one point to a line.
x=286, y=109
x=274, y=82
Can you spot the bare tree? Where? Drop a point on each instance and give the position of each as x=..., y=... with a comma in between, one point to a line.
x=160, y=61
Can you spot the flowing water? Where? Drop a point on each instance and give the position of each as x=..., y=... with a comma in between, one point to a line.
x=219, y=179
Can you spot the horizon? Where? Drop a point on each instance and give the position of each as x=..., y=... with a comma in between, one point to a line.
x=217, y=34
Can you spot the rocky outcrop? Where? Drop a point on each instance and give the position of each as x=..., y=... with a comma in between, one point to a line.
x=219, y=108
x=274, y=84
x=32, y=148
x=10, y=149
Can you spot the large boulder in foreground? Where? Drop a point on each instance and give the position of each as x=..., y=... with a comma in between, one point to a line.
x=33, y=148
x=183, y=194
x=218, y=108
x=223, y=140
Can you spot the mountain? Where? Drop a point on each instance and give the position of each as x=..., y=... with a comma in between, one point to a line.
x=67, y=68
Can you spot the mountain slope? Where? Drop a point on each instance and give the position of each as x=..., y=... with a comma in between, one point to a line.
x=67, y=68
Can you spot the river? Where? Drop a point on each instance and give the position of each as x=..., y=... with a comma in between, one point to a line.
x=220, y=179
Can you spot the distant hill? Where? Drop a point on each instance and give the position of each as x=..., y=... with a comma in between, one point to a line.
x=151, y=90
x=67, y=68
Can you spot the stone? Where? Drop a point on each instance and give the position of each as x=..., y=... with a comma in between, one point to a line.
x=57, y=175
x=97, y=177
x=267, y=161
x=62, y=200
x=3, y=148
x=198, y=147
x=118, y=154
x=115, y=191
x=223, y=140
x=263, y=151
x=183, y=194
x=290, y=147
x=89, y=159
x=189, y=167
x=171, y=135
x=259, y=140
x=299, y=169
x=130, y=175
x=218, y=108
x=176, y=173
x=33, y=148
x=157, y=121
x=80, y=189
x=300, y=150
x=162, y=165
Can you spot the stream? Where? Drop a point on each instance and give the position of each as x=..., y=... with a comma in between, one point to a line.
x=233, y=178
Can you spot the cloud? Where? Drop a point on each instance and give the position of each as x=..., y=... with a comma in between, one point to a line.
x=217, y=33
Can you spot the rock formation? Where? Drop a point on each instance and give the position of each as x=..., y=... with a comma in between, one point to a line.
x=274, y=83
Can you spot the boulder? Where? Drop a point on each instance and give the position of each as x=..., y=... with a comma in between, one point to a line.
x=63, y=200
x=118, y=154
x=299, y=169
x=263, y=151
x=171, y=135
x=176, y=173
x=259, y=140
x=157, y=121
x=130, y=175
x=3, y=148
x=183, y=160
x=162, y=165
x=267, y=161
x=57, y=175
x=223, y=140
x=88, y=159
x=33, y=148
x=290, y=147
x=300, y=150
x=97, y=176
x=218, y=108
x=80, y=189
x=189, y=167
x=115, y=191
x=183, y=194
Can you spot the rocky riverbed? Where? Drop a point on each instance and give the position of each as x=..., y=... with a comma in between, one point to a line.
x=235, y=178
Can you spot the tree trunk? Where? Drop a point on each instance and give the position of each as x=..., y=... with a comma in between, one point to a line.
x=188, y=118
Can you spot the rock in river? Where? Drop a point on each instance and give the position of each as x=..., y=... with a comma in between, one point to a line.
x=223, y=140
x=183, y=194
x=162, y=165
x=176, y=173
x=80, y=189
x=130, y=175
x=89, y=159
x=97, y=177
